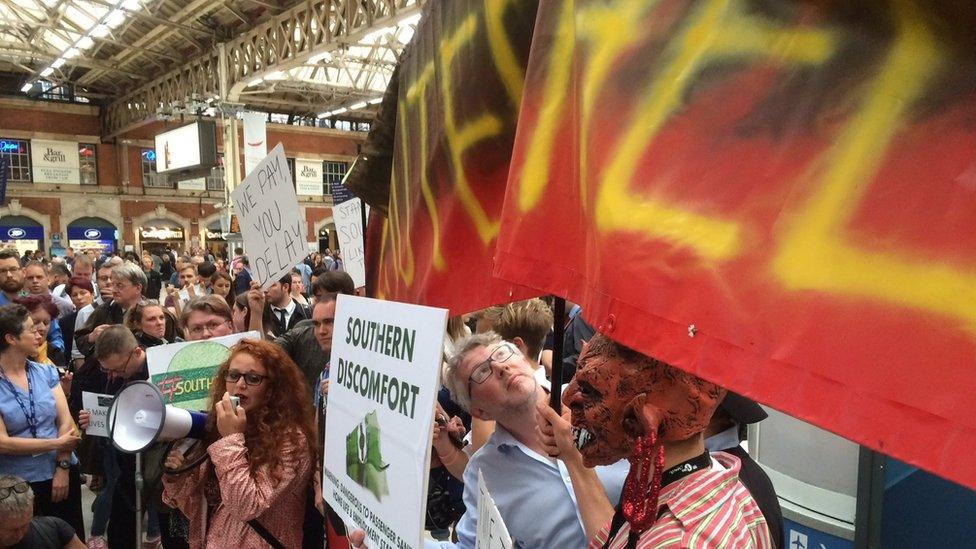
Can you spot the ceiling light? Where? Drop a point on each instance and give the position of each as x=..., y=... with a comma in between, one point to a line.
x=47, y=72
x=71, y=52
x=132, y=5
x=85, y=42
x=356, y=106
x=255, y=82
x=57, y=63
x=27, y=87
x=99, y=30
x=375, y=101
x=325, y=114
x=340, y=110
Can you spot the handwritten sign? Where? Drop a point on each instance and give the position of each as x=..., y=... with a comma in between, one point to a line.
x=349, y=226
x=98, y=405
x=271, y=221
x=492, y=533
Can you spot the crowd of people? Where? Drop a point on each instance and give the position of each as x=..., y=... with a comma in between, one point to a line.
x=654, y=459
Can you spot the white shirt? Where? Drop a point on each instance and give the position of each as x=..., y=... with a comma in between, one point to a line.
x=289, y=310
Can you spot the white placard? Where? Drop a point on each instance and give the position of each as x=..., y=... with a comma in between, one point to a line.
x=386, y=360
x=308, y=177
x=255, y=140
x=349, y=227
x=183, y=372
x=55, y=162
x=177, y=149
x=196, y=184
x=98, y=405
x=492, y=532
x=271, y=221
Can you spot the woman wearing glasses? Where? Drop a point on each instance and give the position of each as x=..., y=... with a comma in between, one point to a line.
x=261, y=455
x=36, y=430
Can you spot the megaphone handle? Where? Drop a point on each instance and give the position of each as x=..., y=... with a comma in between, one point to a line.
x=139, y=486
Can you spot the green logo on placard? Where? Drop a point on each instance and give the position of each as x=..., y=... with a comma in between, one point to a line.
x=364, y=462
x=189, y=375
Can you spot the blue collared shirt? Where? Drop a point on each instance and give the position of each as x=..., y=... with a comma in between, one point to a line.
x=533, y=493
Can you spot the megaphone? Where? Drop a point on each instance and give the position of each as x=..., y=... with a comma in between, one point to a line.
x=139, y=418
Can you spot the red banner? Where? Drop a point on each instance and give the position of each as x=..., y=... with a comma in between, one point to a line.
x=777, y=196
x=460, y=88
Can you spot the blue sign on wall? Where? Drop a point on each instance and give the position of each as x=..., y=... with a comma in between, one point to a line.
x=91, y=233
x=21, y=233
x=799, y=536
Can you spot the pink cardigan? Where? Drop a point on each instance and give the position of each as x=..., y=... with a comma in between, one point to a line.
x=279, y=505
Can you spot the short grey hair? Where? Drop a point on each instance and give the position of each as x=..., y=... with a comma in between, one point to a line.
x=449, y=377
x=15, y=505
x=132, y=273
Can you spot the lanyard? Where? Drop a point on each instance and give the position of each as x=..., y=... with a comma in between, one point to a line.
x=32, y=416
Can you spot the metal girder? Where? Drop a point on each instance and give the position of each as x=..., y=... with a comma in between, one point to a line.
x=284, y=42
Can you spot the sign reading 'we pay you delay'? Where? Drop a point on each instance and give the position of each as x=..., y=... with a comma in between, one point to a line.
x=271, y=221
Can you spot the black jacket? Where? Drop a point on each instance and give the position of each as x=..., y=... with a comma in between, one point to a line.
x=106, y=313
x=301, y=312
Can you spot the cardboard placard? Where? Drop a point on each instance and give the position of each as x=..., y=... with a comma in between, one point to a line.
x=349, y=228
x=98, y=405
x=492, y=532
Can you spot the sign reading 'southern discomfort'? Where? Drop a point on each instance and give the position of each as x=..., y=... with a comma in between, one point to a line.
x=386, y=357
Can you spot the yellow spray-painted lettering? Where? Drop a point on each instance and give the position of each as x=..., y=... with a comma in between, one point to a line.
x=814, y=252
x=715, y=31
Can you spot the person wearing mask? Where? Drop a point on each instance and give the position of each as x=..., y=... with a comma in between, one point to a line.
x=36, y=430
x=20, y=529
x=206, y=317
x=261, y=455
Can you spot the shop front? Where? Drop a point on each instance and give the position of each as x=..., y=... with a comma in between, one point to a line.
x=21, y=233
x=93, y=233
x=157, y=235
x=215, y=242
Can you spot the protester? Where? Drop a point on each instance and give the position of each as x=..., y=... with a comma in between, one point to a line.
x=223, y=286
x=37, y=282
x=20, y=529
x=628, y=405
x=286, y=311
x=333, y=282
x=154, y=282
x=81, y=292
x=147, y=321
x=241, y=269
x=127, y=282
x=43, y=312
x=725, y=431
x=298, y=290
x=492, y=380
x=60, y=275
x=261, y=454
x=36, y=430
x=241, y=314
x=206, y=317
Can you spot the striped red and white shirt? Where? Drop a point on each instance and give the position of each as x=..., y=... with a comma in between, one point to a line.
x=707, y=509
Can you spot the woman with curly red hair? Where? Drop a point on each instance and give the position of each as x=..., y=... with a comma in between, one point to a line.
x=261, y=454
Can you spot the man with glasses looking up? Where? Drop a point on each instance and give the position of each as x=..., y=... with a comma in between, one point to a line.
x=492, y=380
x=20, y=528
x=127, y=281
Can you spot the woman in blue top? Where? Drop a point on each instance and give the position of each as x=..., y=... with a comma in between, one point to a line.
x=36, y=429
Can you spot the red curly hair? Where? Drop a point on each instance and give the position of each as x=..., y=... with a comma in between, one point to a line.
x=288, y=406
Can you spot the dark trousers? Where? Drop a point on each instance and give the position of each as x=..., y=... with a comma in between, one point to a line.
x=68, y=510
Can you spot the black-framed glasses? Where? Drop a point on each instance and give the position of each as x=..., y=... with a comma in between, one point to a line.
x=19, y=488
x=250, y=378
x=499, y=354
x=124, y=364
